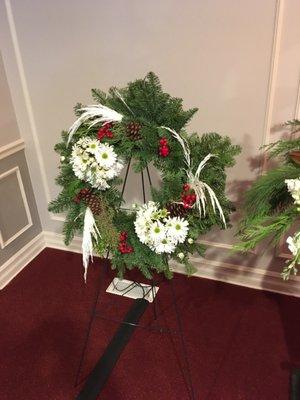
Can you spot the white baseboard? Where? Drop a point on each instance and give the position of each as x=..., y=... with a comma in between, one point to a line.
x=19, y=260
x=56, y=241
x=254, y=278
x=219, y=271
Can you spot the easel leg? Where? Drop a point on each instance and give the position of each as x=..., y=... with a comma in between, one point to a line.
x=186, y=370
x=88, y=332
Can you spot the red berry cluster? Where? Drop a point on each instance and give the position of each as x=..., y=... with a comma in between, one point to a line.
x=81, y=194
x=124, y=247
x=105, y=131
x=164, y=148
x=188, y=196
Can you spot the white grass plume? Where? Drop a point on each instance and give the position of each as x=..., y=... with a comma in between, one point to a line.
x=200, y=188
x=94, y=114
x=90, y=231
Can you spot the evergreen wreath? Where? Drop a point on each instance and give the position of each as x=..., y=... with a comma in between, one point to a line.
x=141, y=124
x=272, y=204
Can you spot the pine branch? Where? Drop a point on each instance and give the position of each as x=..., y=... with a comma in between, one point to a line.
x=263, y=227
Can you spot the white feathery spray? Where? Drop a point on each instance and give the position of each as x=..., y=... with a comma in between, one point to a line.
x=94, y=114
x=90, y=231
x=200, y=188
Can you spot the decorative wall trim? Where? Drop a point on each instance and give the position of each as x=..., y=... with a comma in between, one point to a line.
x=57, y=217
x=11, y=148
x=26, y=94
x=56, y=241
x=278, y=22
x=255, y=278
x=16, y=171
x=224, y=246
x=28, y=105
x=19, y=260
x=297, y=106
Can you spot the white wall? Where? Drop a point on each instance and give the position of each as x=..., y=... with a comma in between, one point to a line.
x=238, y=61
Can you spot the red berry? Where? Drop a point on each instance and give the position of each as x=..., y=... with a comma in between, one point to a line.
x=105, y=131
x=163, y=141
x=123, y=236
x=186, y=187
x=164, y=151
x=101, y=134
x=186, y=205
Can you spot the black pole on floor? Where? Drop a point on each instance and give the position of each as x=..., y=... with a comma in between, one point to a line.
x=295, y=385
x=102, y=370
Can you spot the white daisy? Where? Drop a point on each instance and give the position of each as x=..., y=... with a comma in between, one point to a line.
x=92, y=146
x=157, y=231
x=105, y=156
x=177, y=228
x=166, y=245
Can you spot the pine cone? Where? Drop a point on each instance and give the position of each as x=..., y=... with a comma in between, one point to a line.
x=176, y=210
x=133, y=131
x=94, y=203
x=91, y=200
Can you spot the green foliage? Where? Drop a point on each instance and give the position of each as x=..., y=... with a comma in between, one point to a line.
x=143, y=101
x=269, y=210
x=269, y=193
x=265, y=226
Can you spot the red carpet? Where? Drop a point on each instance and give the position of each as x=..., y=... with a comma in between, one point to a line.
x=242, y=343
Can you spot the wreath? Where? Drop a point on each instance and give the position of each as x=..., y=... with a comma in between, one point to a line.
x=134, y=127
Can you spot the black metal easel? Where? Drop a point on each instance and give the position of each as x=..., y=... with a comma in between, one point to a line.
x=99, y=375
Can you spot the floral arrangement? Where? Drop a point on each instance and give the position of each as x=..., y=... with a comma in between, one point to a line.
x=95, y=162
x=133, y=127
x=272, y=204
x=155, y=228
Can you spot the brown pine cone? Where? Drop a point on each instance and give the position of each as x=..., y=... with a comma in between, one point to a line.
x=91, y=200
x=176, y=210
x=94, y=203
x=133, y=130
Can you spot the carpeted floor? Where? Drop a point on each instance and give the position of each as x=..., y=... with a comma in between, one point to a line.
x=242, y=343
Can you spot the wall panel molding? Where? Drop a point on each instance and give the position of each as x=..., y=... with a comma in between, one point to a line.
x=27, y=98
x=272, y=80
x=11, y=148
x=15, y=264
x=16, y=170
x=224, y=246
x=297, y=106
